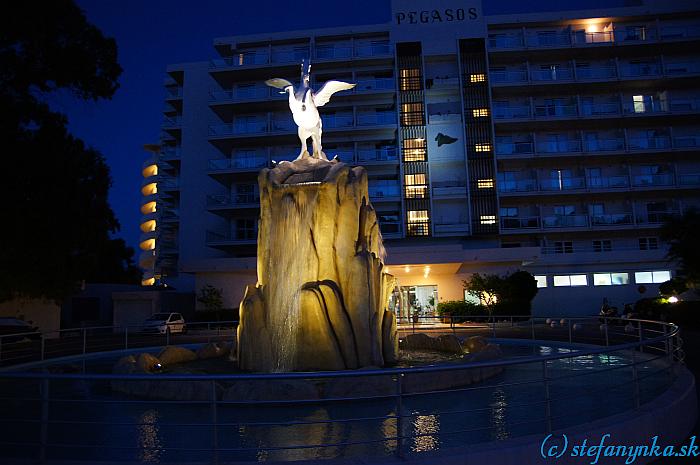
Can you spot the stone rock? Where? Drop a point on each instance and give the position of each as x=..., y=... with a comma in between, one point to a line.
x=475, y=344
x=443, y=343
x=275, y=389
x=172, y=355
x=213, y=350
x=326, y=309
x=147, y=363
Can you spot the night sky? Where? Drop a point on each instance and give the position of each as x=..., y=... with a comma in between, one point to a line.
x=152, y=34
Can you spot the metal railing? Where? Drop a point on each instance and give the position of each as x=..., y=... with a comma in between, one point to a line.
x=67, y=415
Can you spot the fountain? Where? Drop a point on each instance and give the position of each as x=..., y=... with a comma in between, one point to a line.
x=321, y=296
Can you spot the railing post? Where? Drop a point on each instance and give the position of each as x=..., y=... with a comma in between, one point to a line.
x=607, y=342
x=44, y=427
x=547, y=405
x=399, y=417
x=126, y=338
x=635, y=380
x=84, y=341
x=570, y=335
x=639, y=331
x=208, y=332
x=43, y=346
x=214, y=425
x=167, y=334
x=532, y=326
x=493, y=325
x=0, y=348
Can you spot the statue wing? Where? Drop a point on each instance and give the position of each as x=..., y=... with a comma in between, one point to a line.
x=278, y=83
x=329, y=88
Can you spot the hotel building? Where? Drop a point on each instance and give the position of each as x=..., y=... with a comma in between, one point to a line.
x=553, y=142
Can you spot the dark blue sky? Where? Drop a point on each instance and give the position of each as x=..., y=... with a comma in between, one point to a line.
x=152, y=34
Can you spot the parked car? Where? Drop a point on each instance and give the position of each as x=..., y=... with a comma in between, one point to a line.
x=165, y=323
x=10, y=326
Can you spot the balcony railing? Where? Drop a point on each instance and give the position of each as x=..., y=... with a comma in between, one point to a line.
x=509, y=76
x=511, y=148
x=689, y=179
x=585, y=73
x=449, y=188
x=376, y=119
x=226, y=164
x=376, y=155
x=565, y=221
x=213, y=237
x=511, y=222
x=384, y=190
x=520, y=185
x=555, y=111
x=657, y=217
x=603, y=145
x=644, y=180
x=563, y=184
x=562, y=146
x=612, y=219
x=603, y=182
x=521, y=112
x=232, y=201
x=556, y=74
x=646, y=143
x=450, y=228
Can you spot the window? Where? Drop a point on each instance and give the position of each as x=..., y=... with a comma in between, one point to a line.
x=488, y=219
x=541, y=280
x=570, y=280
x=416, y=187
x=412, y=114
x=410, y=79
x=636, y=33
x=418, y=222
x=649, y=277
x=480, y=112
x=610, y=279
x=603, y=245
x=414, y=149
x=482, y=147
x=246, y=229
x=479, y=77
x=648, y=243
x=563, y=247
x=509, y=212
x=484, y=183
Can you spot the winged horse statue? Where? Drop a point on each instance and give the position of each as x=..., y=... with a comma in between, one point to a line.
x=304, y=103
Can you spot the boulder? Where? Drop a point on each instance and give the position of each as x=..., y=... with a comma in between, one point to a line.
x=475, y=344
x=443, y=343
x=213, y=350
x=172, y=355
x=147, y=363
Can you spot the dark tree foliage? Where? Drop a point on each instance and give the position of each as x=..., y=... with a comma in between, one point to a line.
x=511, y=294
x=682, y=236
x=53, y=189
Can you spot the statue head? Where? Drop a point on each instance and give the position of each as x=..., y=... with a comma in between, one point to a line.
x=306, y=72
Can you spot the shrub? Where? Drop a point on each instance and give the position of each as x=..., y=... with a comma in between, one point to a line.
x=458, y=308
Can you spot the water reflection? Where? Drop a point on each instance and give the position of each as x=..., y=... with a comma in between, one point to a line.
x=499, y=407
x=426, y=428
x=149, y=441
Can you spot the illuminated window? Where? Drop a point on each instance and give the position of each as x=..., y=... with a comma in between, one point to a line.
x=416, y=187
x=149, y=207
x=480, y=112
x=417, y=222
x=150, y=170
x=488, y=219
x=570, y=280
x=149, y=225
x=638, y=102
x=148, y=244
x=412, y=114
x=410, y=79
x=610, y=279
x=414, y=149
x=148, y=282
x=477, y=77
x=541, y=280
x=149, y=189
x=484, y=183
x=482, y=147
x=652, y=277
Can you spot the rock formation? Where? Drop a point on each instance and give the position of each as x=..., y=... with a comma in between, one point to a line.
x=321, y=296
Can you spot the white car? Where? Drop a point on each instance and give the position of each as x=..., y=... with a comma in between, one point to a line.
x=165, y=323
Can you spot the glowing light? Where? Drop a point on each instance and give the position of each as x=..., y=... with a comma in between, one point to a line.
x=673, y=299
x=150, y=170
x=148, y=282
x=149, y=189
x=148, y=244
x=426, y=271
x=148, y=226
x=148, y=207
x=407, y=268
x=386, y=270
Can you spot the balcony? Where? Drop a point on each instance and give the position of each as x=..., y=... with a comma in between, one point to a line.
x=689, y=179
x=517, y=185
x=236, y=201
x=390, y=229
x=512, y=222
x=171, y=153
x=449, y=189
x=658, y=217
x=553, y=74
x=237, y=164
x=345, y=51
x=605, y=182
x=563, y=184
x=173, y=93
x=514, y=148
x=387, y=155
x=612, y=219
x=561, y=146
x=450, y=229
x=653, y=180
x=217, y=239
x=376, y=119
x=565, y=221
x=384, y=192
x=172, y=122
x=507, y=113
x=649, y=143
x=585, y=73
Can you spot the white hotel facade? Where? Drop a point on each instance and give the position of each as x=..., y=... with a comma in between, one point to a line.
x=556, y=143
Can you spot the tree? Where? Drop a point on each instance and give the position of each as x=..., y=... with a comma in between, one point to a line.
x=509, y=294
x=680, y=233
x=211, y=298
x=53, y=189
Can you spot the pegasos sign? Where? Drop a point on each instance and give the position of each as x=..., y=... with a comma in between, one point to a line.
x=446, y=15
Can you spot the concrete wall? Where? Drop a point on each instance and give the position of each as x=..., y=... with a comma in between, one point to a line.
x=44, y=314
